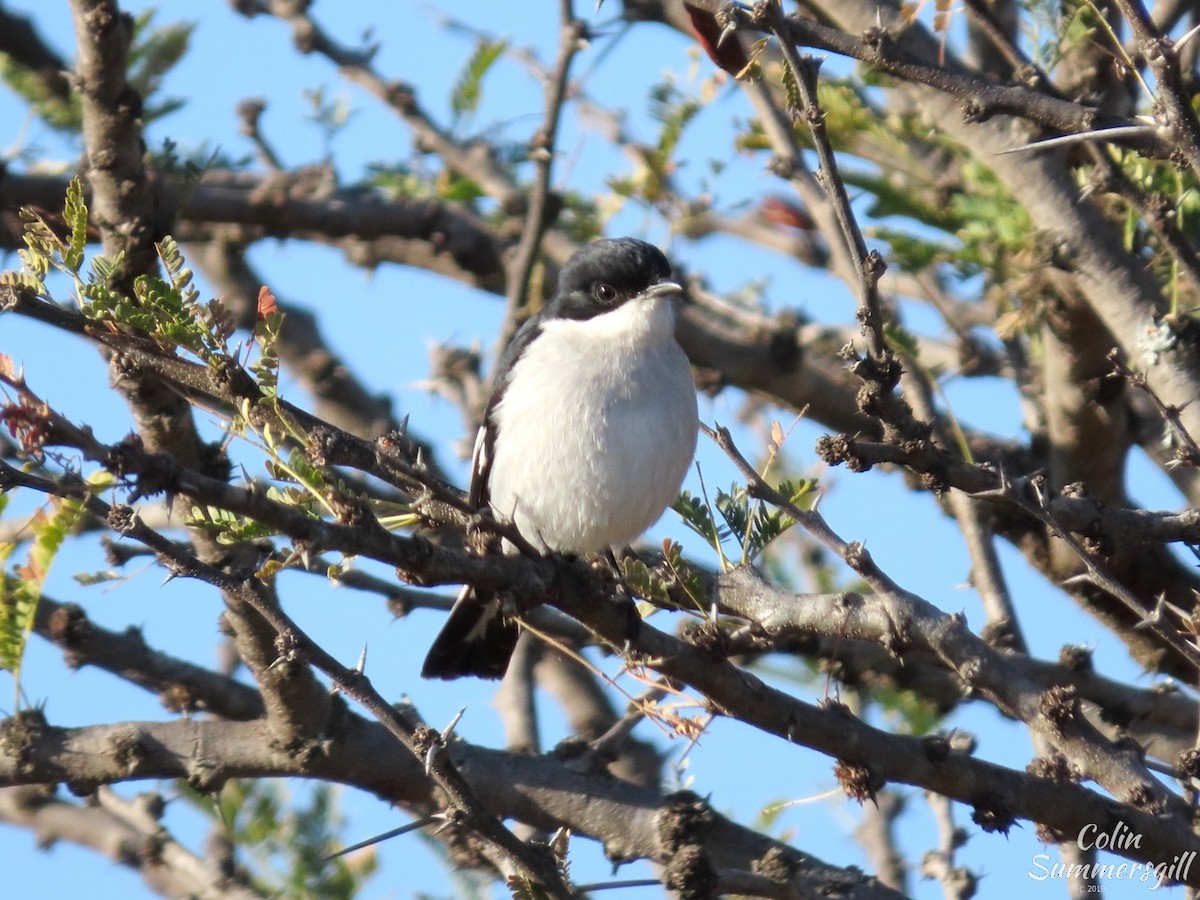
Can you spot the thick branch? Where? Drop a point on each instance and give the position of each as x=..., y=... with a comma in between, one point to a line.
x=633, y=822
x=127, y=833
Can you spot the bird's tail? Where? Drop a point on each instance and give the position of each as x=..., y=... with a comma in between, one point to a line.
x=476, y=640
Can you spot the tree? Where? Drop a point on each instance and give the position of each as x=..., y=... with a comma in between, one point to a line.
x=994, y=203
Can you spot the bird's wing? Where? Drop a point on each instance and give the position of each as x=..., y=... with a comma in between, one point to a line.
x=476, y=638
x=485, y=441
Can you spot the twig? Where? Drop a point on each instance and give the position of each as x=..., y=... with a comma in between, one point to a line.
x=294, y=645
x=1188, y=451
x=1155, y=212
x=868, y=265
x=515, y=698
x=877, y=834
x=122, y=194
x=984, y=99
x=126, y=835
x=1076, y=512
x=1003, y=628
x=370, y=228
x=572, y=34
x=249, y=112
x=618, y=733
x=180, y=685
x=958, y=883
x=1173, y=102
x=910, y=619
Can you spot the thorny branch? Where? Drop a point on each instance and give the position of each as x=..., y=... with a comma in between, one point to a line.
x=1085, y=726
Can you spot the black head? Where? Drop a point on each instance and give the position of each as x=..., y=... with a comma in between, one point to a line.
x=605, y=274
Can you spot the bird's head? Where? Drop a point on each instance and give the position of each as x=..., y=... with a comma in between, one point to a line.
x=605, y=275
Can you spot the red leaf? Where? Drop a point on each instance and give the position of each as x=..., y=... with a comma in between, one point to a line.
x=266, y=302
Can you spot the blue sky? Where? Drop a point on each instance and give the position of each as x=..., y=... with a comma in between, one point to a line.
x=384, y=322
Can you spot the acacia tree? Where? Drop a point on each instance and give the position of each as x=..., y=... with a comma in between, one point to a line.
x=1022, y=177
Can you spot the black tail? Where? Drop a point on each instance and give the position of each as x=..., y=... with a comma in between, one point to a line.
x=476, y=640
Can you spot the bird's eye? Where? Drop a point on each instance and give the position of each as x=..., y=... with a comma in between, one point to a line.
x=605, y=293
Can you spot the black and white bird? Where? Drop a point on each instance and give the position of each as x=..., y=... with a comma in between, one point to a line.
x=588, y=434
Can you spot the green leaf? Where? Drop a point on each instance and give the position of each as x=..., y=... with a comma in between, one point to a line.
x=330, y=115
x=901, y=340
x=909, y=712
x=76, y=213
x=285, y=842
x=266, y=367
x=734, y=508
x=21, y=592
x=459, y=189
x=154, y=53
x=49, y=97
x=799, y=491
x=102, y=268
x=683, y=575
x=909, y=252
x=41, y=244
x=468, y=90
x=88, y=579
x=225, y=526
x=24, y=279
x=643, y=581
x=168, y=311
x=675, y=112
x=791, y=91
x=696, y=515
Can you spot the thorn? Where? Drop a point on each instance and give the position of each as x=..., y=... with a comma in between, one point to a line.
x=361, y=666
x=726, y=33
x=1103, y=134
x=1155, y=618
x=449, y=729
x=1038, y=494
x=395, y=832
x=1005, y=481
x=740, y=633
x=442, y=741
x=1187, y=37
x=446, y=820
x=558, y=843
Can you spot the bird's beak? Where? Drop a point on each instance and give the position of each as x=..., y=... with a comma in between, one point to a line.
x=662, y=289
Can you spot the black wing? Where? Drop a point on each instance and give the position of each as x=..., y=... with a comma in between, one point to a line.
x=477, y=639
x=485, y=441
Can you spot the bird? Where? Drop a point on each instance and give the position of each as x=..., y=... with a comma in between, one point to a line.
x=588, y=433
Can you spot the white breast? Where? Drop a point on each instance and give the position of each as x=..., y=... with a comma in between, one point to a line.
x=603, y=469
